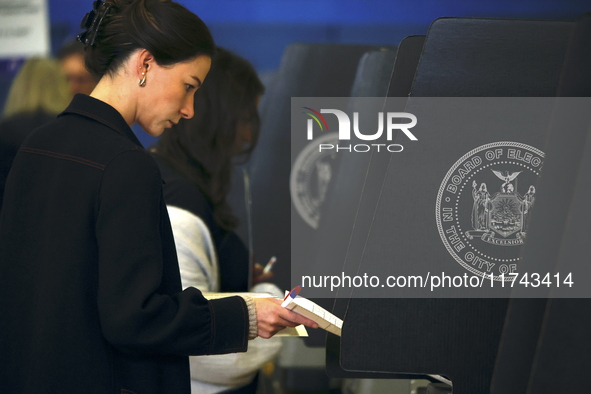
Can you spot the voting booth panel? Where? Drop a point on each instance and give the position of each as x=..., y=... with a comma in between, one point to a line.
x=350, y=171
x=575, y=80
x=374, y=79
x=545, y=343
x=371, y=80
x=462, y=57
x=348, y=175
x=356, y=168
x=492, y=58
x=407, y=60
x=306, y=70
x=358, y=176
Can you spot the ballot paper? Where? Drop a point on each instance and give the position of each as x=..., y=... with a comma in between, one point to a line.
x=313, y=311
x=298, y=331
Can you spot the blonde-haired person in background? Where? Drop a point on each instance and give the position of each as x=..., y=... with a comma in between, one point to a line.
x=39, y=86
x=37, y=94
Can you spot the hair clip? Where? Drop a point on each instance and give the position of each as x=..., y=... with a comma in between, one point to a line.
x=92, y=21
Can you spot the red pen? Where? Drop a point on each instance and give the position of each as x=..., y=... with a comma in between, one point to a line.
x=293, y=293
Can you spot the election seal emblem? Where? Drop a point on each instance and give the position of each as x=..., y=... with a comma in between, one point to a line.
x=484, y=204
x=310, y=176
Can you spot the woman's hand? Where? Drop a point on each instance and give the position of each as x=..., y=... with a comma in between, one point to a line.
x=272, y=317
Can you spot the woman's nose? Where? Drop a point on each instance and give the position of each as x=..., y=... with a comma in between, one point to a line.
x=188, y=110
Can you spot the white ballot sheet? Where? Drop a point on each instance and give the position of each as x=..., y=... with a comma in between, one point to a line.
x=313, y=311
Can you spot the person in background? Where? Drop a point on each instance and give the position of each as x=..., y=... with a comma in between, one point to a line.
x=90, y=291
x=37, y=94
x=196, y=158
x=71, y=58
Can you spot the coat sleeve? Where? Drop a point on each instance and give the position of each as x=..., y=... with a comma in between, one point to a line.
x=141, y=306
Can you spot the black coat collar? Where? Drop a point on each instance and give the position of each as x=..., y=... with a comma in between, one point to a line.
x=101, y=112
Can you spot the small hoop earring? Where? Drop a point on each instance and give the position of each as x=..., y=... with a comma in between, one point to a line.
x=142, y=82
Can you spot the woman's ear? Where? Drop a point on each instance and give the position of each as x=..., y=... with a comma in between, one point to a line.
x=144, y=60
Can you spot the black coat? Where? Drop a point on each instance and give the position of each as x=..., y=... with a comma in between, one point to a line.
x=13, y=131
x=90, y=292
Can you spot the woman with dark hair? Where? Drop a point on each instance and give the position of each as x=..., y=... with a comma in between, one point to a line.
x=196, y=158
x=90, y=291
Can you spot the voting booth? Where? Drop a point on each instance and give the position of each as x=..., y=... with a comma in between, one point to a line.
x=318, y=70
x=545, y=341
x=455, y=337
x=395, y=213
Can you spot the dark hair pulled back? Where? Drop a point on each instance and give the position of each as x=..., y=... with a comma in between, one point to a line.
x=169, y=31
x=200, y=148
